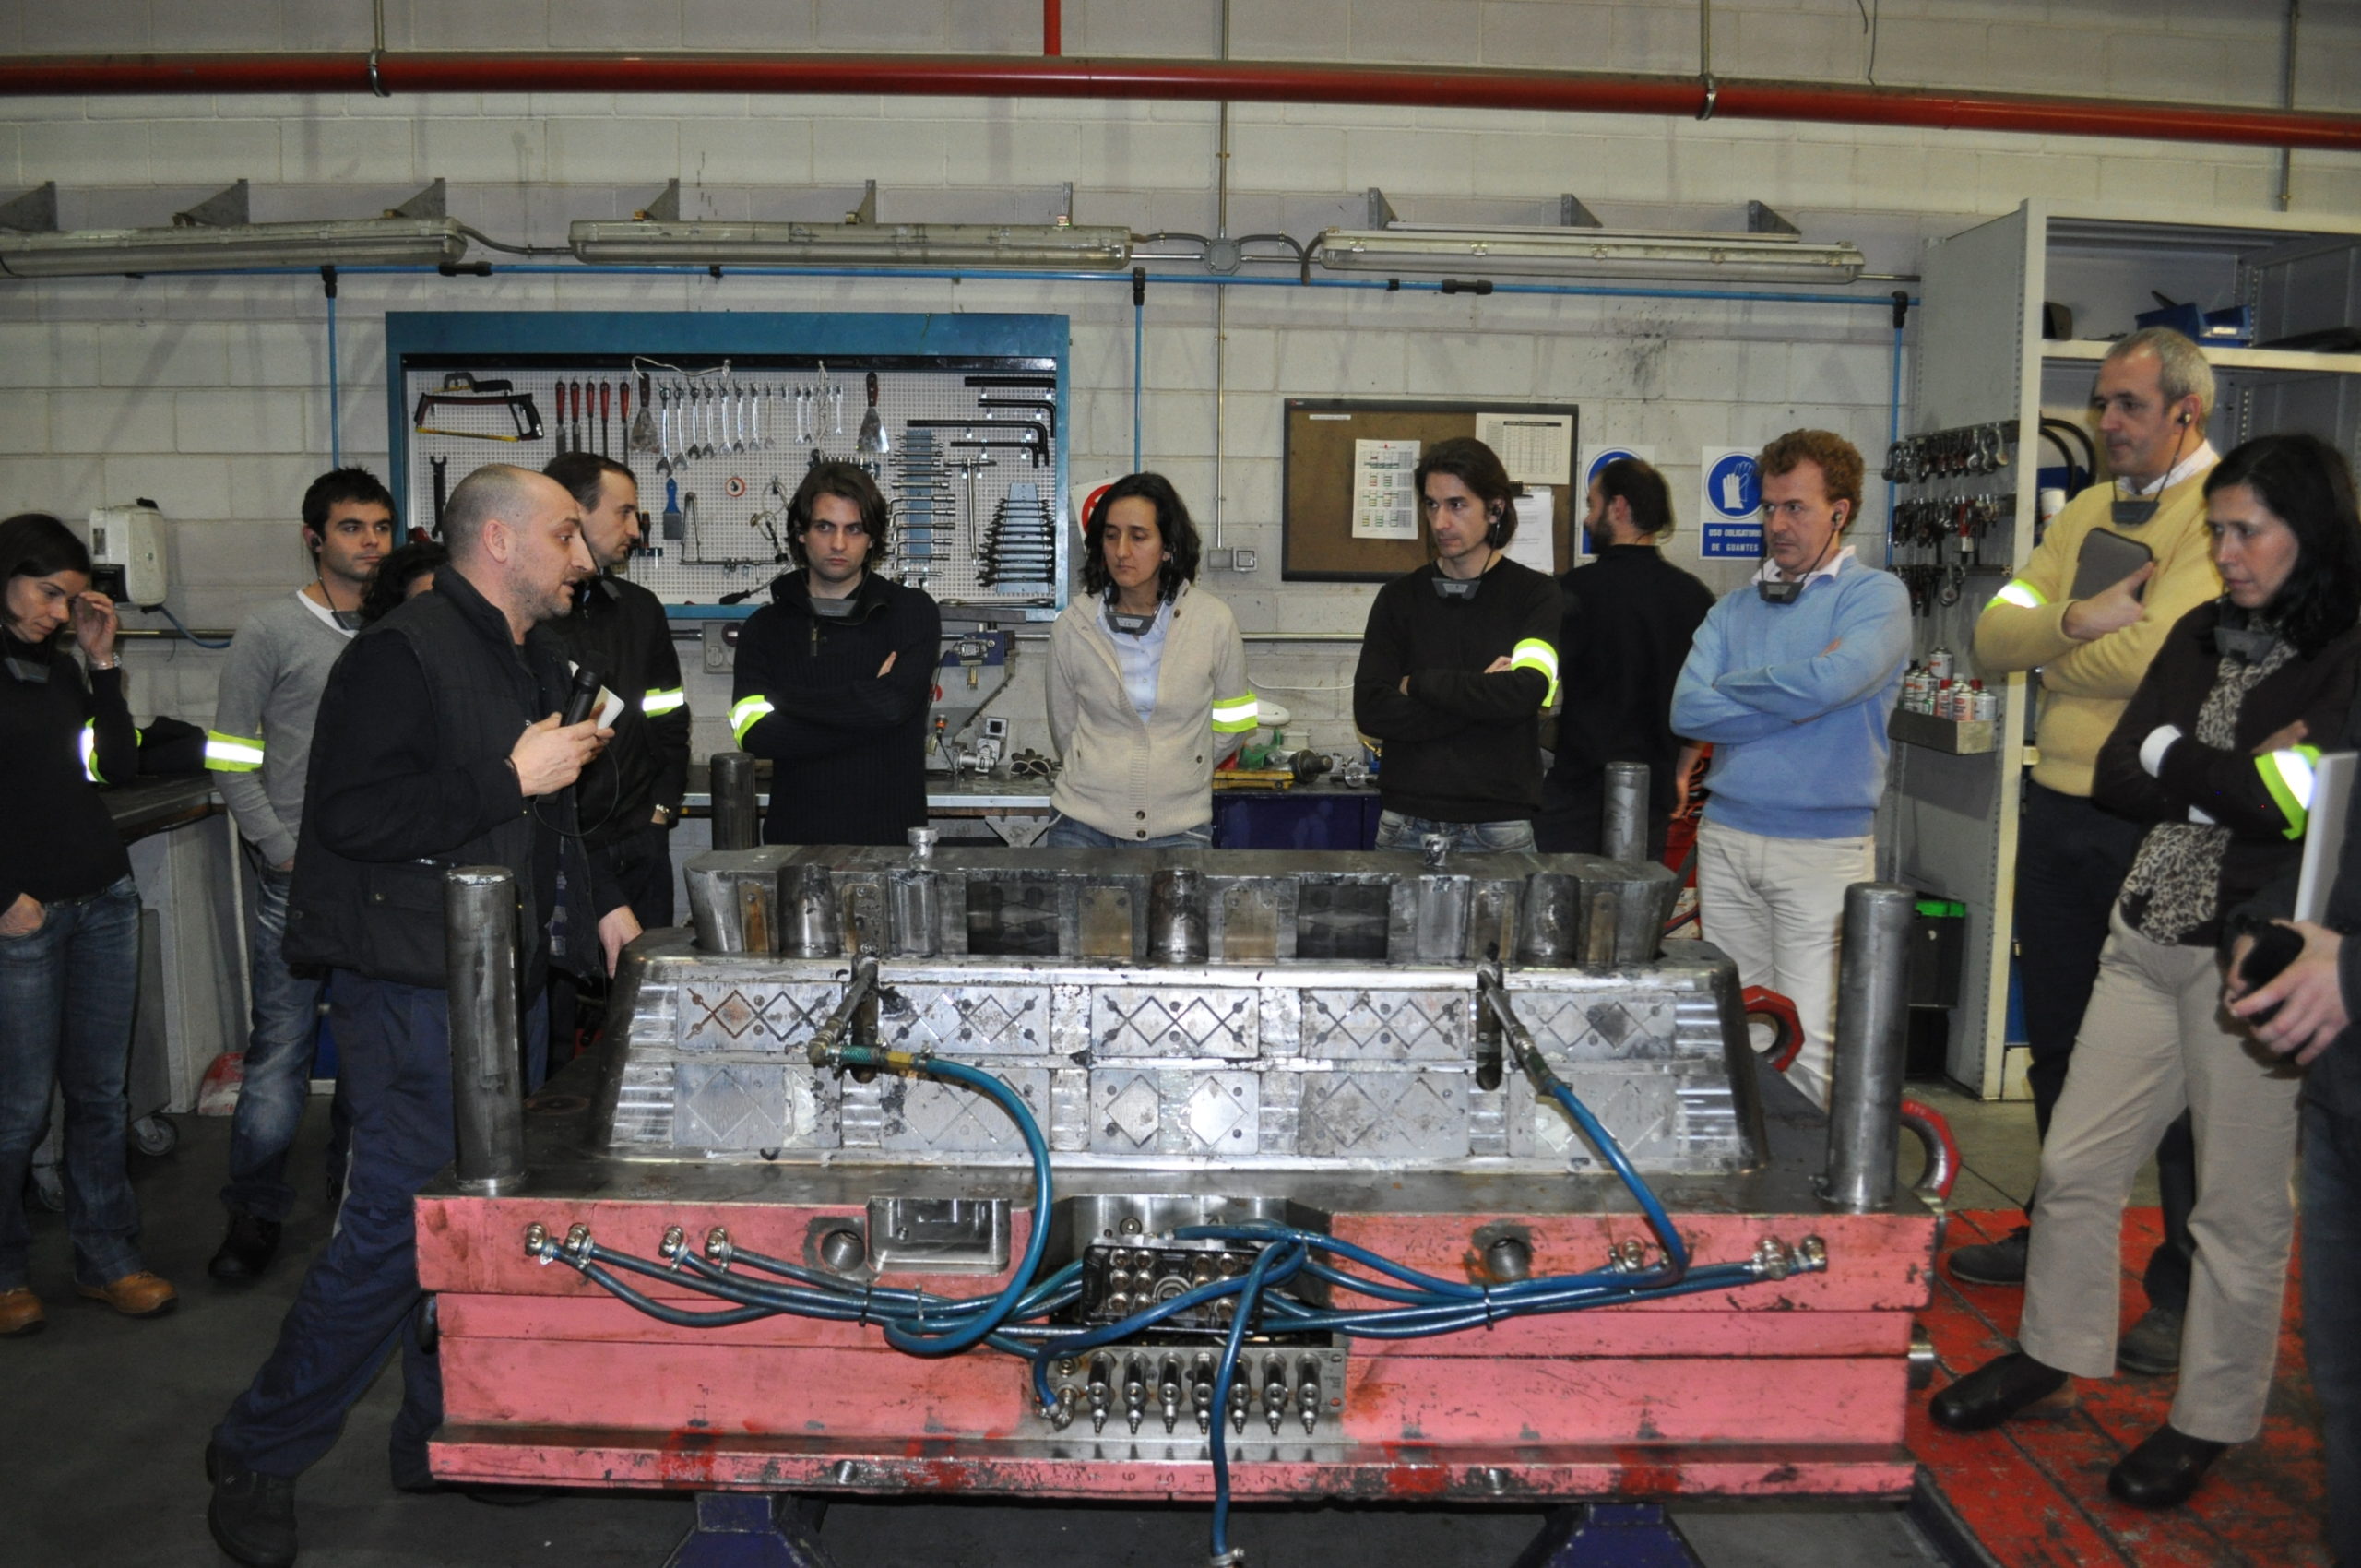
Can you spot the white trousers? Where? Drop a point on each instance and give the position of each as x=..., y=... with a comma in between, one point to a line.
x=1776, y=907
x=2155, y=1040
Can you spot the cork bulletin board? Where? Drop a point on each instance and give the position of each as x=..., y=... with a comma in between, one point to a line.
x=1339, y=453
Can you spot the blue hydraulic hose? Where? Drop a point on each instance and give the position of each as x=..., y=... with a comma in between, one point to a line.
x=922, y=1337
x=1676, y=1251
x=1249, y=1288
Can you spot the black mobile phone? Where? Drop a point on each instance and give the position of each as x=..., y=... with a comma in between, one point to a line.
x=2106, y=560
x=2275, y=947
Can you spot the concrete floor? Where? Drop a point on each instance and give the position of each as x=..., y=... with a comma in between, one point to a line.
x=105, y=1419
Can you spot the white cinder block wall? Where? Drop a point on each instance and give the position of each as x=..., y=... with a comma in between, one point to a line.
x=211, y=396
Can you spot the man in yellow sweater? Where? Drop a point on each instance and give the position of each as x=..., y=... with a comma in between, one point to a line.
x=2154, y=394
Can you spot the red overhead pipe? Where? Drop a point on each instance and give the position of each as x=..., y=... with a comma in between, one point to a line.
x=992, y=75
x=1053, y=27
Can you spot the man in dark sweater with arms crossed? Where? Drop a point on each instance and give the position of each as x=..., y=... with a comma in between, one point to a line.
x=1457, y=664
x=835, y=675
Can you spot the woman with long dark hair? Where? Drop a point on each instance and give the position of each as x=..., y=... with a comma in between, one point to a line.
x=2215, y=752
x=69, y=921
x=1147, y=680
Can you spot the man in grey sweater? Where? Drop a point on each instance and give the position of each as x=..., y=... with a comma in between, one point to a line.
x=259, y=750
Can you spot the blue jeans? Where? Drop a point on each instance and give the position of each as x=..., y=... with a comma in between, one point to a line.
x=2332, y=1225
x=361, y=1296
x=67, y=993
x=1070, y=833
x=278, y=1059
x=1395, y=831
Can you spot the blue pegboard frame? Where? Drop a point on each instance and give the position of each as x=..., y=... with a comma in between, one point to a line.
x=849, y=340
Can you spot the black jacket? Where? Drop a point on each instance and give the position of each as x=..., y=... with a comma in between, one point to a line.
x=409, y=776
x=2334, y=1077
x=2231, y=787
x=848, y=749
x=1461, y=746
x=1630, y=616
x=618, y=629
x=60, y=738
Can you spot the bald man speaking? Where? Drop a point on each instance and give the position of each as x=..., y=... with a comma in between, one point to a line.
x=438, y=745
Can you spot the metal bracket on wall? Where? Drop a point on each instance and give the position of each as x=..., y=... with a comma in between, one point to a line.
x=1574, y=214
x=428, y=202
x=223, y=209
x=1761, y=220
x=34, y=212
x=1381, y=211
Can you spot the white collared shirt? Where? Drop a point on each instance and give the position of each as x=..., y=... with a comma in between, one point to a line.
x=2203, y=458
x=1770, y=572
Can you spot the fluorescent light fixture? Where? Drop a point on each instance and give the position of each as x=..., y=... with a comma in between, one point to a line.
x=1588, y=253
x=660, y=242
x=360, y=242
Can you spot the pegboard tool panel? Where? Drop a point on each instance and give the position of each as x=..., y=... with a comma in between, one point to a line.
x=966, y=441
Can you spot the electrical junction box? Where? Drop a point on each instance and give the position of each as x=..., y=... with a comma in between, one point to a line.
x=127, y=542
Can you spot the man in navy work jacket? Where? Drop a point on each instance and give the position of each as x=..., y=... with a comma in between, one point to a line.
x=438, y=745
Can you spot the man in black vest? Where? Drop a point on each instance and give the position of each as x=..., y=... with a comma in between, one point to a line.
x=438, y=745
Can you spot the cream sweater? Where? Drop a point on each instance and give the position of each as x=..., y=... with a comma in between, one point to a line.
x=1138, y=779
x=2084, y=685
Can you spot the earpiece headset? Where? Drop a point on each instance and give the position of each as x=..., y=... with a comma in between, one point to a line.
x=1776, y=589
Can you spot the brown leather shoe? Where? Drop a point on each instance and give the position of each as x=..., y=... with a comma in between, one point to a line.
x=135, y=1295
x=20, y=1312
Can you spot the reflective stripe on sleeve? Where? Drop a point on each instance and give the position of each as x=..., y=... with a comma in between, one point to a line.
x=232, y=754
x=1535, y=653
x=746, y=713
x=89, y=744
x=2021, y=594
x=2288, y=775
x=655, y=703
x=1235, y=716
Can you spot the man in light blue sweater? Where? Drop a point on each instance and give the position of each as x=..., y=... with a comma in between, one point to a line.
x=1792, y=680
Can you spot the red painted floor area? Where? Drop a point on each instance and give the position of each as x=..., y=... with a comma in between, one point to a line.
x=2035, y=1491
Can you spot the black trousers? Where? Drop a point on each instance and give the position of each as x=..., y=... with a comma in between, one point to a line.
x=641, y=863
x=2071, y=860
x=1572, y=819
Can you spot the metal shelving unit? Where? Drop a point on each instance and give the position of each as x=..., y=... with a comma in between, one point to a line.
x=1949, y=825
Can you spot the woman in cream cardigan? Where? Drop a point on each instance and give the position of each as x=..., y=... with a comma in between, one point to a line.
x=1147, y=680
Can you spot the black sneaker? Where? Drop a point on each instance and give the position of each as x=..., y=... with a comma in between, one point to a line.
x=252, y=1515
x=246, y=1251
x=1994, y=1263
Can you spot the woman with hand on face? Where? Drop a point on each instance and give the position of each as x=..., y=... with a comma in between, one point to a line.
x=1147, y=680
x=2215, y=752
x=69, y=921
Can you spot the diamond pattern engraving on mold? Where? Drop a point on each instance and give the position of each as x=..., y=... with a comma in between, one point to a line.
x=1591, y=1027
x=1385, y=1025
x=1143, y=1021
x=1640, y=1107
x=966, y=1020
x=730, y=1106
x=751, y=1017
x=922, y=1116
x=1384, y=1115
x=1175, y=1112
